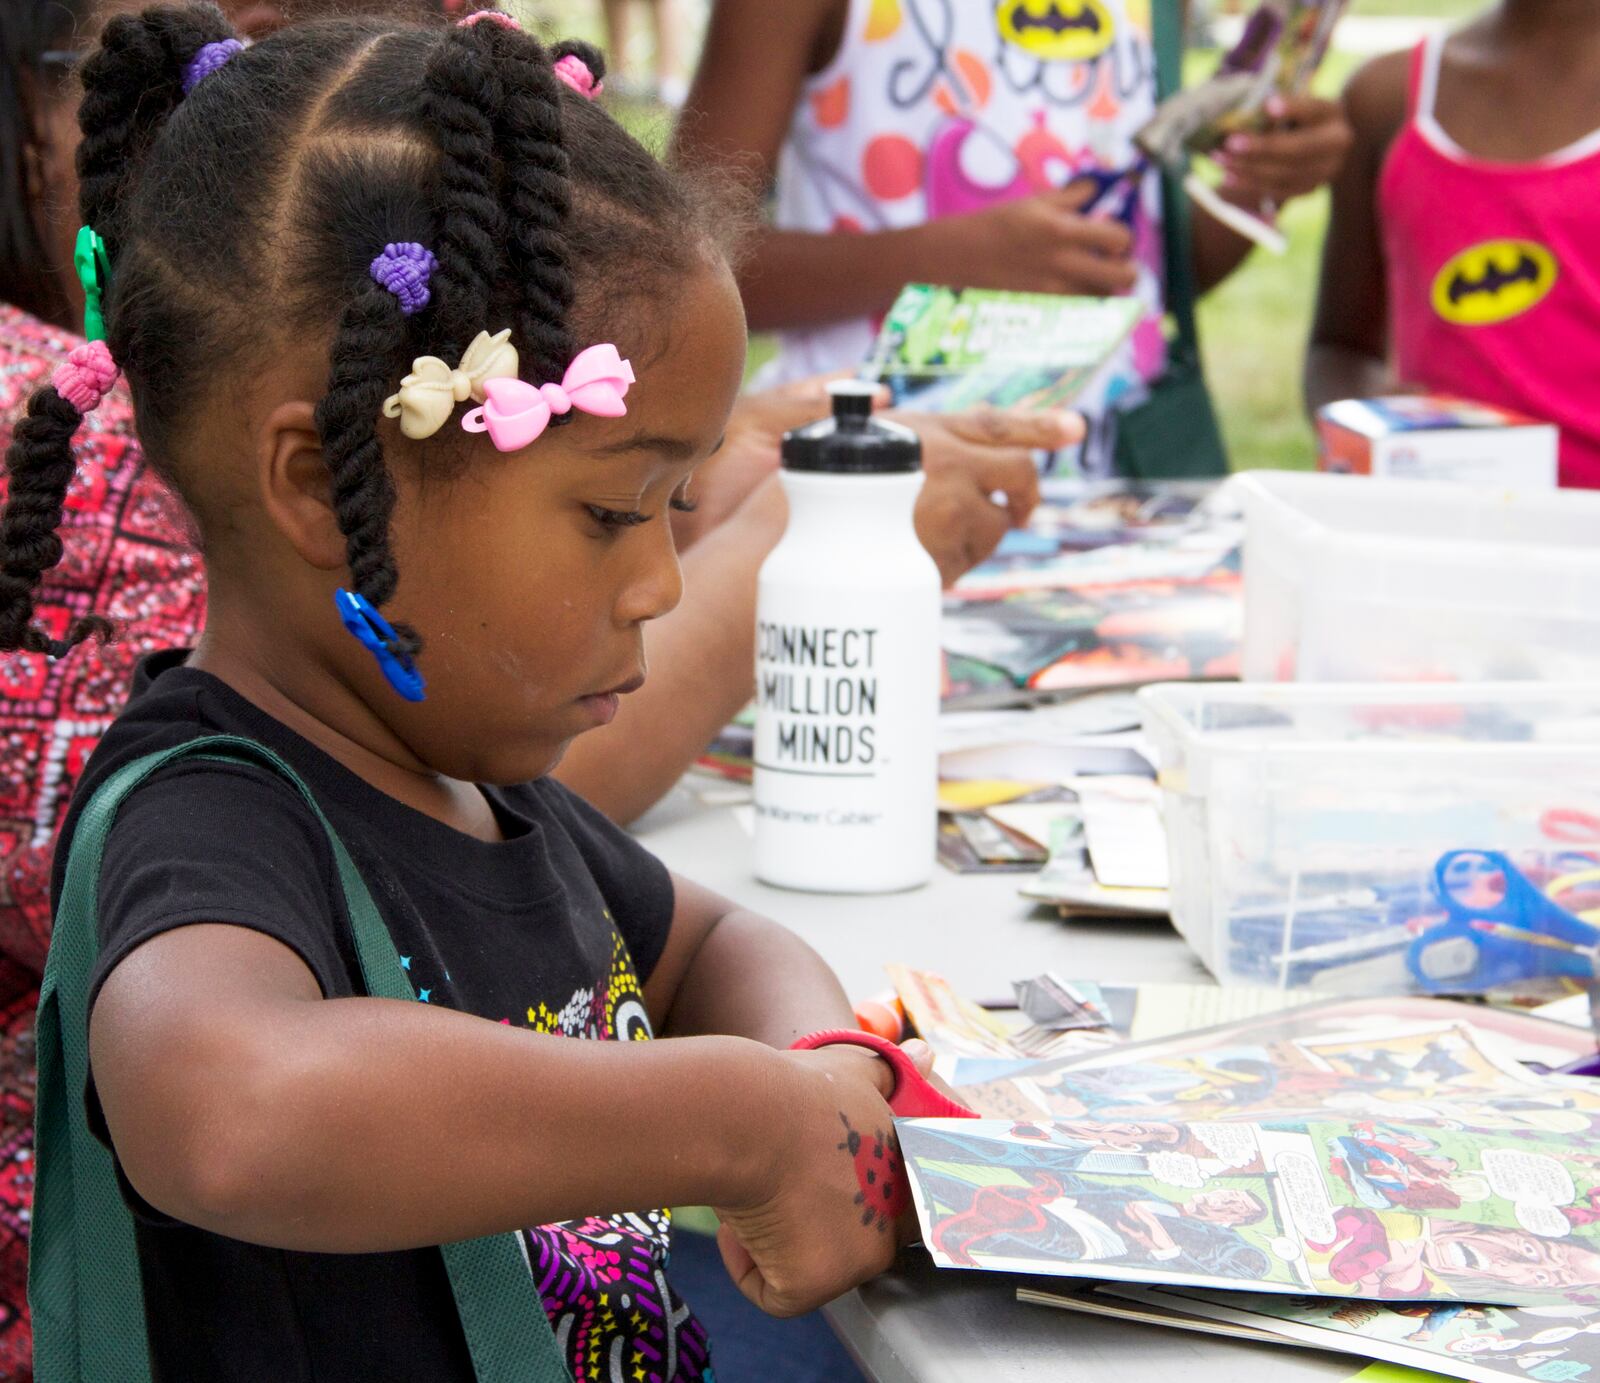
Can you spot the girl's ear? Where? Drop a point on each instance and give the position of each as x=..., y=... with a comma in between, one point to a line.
x=295, y=488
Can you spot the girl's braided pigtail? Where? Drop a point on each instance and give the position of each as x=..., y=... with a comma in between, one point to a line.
x=143, y=68
x=538, y=193
x=461, y=100
x=40, y=467
x=364, y=360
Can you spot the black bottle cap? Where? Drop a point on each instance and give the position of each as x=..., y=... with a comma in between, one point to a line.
x=852, y=441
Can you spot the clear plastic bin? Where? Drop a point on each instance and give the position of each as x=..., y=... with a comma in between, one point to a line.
x=1349, y=579
x=1306, y=824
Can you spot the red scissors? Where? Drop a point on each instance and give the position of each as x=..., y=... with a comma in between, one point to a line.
x=912, y=1097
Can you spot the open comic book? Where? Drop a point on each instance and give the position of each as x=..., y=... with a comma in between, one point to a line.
x=943, y=350
x=1379, y=1149
x=1339, y=1208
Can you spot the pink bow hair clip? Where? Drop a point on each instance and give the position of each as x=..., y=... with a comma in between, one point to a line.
x=515, y=414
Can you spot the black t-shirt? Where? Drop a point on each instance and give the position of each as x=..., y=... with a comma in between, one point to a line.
x=555, y=929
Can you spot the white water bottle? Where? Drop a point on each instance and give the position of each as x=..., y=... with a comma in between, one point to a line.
x=847, y=664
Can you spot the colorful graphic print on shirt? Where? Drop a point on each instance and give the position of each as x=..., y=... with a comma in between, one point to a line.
x=942, y=108
x=603, y=1279
x=1494, y=281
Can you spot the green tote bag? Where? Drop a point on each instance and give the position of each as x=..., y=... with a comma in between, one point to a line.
x=83, y=1271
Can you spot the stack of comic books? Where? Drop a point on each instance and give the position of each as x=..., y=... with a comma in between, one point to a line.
x=1114, y=584
x=1401, y=1179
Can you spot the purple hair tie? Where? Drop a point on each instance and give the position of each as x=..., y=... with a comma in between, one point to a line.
x=208, y=60
x=404, y=269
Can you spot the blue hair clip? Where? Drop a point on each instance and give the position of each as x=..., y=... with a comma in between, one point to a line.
x=377, y=636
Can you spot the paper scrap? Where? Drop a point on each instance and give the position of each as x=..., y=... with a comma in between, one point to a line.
x=1038, y=820
x=1124, y=831
x=979, y=793
x=952, y=1025
x=1059, y=1005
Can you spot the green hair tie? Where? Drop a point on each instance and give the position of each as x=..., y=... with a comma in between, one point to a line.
x=94, y=273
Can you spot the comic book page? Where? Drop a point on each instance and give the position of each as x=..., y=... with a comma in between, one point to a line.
x=1515, y=1037
x=1489, y=1344
x=1320, y=1062
x=1346, y=1209
x=944, y=350
x=1438, y=1076
x=970, y=1042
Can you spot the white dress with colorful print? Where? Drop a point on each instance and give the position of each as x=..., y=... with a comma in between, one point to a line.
x=935, y=108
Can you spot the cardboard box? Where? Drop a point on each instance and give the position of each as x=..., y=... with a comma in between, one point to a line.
x=1433, y=437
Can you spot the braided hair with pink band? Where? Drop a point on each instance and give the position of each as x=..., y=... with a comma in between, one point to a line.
x=500, y=17
x=574, y=71
x=86, y=377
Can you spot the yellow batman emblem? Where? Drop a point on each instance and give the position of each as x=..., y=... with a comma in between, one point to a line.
x=1056, y=30
x=1494, y=281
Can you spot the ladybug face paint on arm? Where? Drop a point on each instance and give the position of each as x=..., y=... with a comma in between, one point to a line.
x=885, y=1194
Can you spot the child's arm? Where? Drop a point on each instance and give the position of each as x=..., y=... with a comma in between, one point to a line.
x=728, y=970
x=757, y=57
x=1347, y=357
x=241, y=1101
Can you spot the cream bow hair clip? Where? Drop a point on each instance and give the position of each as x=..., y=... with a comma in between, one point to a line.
x=429, y=394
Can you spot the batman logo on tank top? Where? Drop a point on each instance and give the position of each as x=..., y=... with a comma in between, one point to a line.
x=1056, y=30
x=1494, y=281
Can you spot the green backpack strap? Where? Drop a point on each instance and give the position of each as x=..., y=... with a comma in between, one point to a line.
x=1174, y=433
x=1176, y=221
x=83, y=1272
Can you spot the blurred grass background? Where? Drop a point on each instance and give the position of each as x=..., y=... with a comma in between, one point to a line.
x=1254, y=327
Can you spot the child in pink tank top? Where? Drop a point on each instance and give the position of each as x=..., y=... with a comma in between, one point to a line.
x=1464, y=252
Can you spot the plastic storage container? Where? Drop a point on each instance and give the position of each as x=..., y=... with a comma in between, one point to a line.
x=1306, y=825
x=1354, y=580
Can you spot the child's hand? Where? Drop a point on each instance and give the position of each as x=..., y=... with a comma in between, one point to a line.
x=1302, y=148
x=832, y=1217
x=970, y=459
x=1040, y=244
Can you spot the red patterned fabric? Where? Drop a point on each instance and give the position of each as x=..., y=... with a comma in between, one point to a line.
x=129, y=555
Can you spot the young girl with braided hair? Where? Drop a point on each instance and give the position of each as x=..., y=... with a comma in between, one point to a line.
x=430, y=347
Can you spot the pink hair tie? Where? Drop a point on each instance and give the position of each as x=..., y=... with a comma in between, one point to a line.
x=574, y=71
x=87, y=376
x=505, y=21
x=515, y=414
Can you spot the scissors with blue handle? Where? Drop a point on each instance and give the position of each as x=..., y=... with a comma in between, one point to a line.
x=1498, y=928
x=1116, y=191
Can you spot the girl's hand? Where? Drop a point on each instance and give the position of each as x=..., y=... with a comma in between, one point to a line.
x=1039, y=244
x=837, y=1198
x=1302, y=148
x=970, y=459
